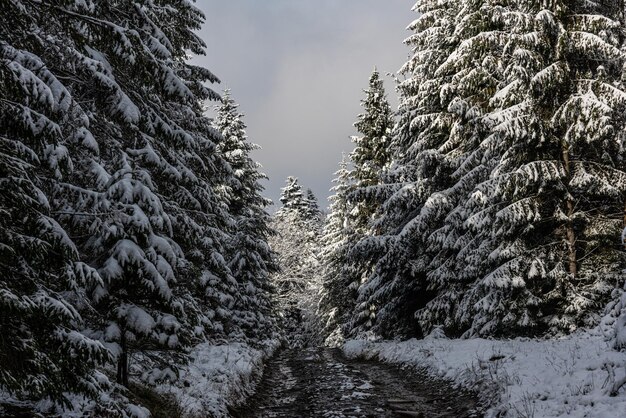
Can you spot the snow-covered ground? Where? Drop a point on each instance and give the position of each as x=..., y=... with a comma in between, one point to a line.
x=575, y=376
x=219, y=376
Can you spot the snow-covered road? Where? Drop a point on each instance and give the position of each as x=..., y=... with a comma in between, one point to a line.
x=322, y=383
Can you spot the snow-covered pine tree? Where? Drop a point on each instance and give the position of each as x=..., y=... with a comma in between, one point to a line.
x=297, y=233
x=103, y=130
x=202, y=223
x=335, y=307
x=313, y=206
x=528, y=249
x=370, y=157
x=250, y=258
x=469, y=75
x=153, y=225
x=512, y=298
x=559, y=185
x=43, y=355
x=292, y=197
x=371, y=152
x=297, y=242
x=420, y=166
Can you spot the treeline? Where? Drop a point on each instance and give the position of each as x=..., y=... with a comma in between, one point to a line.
x=298, y=229
x=131, y=224
x=492, y=202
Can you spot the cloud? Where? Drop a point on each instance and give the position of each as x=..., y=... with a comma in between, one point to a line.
x=298, y=69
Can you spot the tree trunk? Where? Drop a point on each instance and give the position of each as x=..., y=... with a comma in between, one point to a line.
x=122, y=361
x=624, y=222
x=572, y=261
x=571, y=240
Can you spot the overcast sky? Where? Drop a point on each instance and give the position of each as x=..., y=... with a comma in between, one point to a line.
x=298, y=69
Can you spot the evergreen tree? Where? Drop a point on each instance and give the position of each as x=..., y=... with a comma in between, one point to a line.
x=370, y=158
x=146, y=214
x=502, y=195
x=371, y=153
x=297, y=243
x=313, y=207
x=120, y=207
x=149, y=128
x=251, y=260
x=451, y=244
x=43, y=355
x=560, y=182
x=337, y=293
x=292, y=197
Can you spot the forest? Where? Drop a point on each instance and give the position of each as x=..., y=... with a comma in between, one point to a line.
x=143, y=273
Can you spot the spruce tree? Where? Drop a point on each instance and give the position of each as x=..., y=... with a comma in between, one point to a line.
x=560, y=182
x=120, y=210
x=452, y=247
x=293, y=198
x=152, y=223
x=502, y=195
x=43, y=354
x=335, y=306
x=502, y=277
x=250, y=259
x=313, y=208
x=371, y=153
x=297, y=242
x=370, y=158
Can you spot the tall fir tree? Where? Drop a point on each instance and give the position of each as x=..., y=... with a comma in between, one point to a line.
x=503, y=195
x=451, y=245
x=121, y=208
x=376, y=181
x=293, y=197
x=370, y=158
x=337, y=292
x=298, y=226
x=142, y=203
x=250, y=259
x=560, y=182
x=371, y=154
x=150, y=207
x=43, y=354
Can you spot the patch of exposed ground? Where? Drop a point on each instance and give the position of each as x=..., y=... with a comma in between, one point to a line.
x=319, y=382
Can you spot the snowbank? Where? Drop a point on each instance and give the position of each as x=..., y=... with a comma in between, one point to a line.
x=576, y=376
x=110, y=403
x=219, y=376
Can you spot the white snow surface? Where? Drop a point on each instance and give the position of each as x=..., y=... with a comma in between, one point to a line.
x=219, y=375
x=569, y=377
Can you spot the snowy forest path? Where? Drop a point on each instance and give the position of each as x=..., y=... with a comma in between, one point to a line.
x=321, y=382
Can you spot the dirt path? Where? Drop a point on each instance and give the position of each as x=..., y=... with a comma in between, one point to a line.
x=322, y=383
